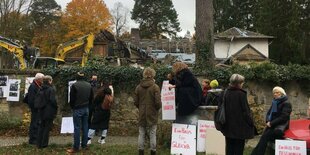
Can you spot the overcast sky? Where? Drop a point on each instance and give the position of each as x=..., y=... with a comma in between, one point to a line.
x=184, y=8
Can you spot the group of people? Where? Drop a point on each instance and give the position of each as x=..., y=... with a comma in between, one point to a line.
x=43, y=112
x=239, y=124
x=91, y=103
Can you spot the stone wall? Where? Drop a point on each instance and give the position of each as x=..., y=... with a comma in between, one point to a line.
x=125, y=115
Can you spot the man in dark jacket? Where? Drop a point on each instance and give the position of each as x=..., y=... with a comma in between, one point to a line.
x=147, y=100
x=48, y=112
x=95, y=85
x=32, y=91
x=81, y=95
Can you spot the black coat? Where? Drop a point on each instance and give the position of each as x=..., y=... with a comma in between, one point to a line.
x=32, y=91
x=101, y=117
x=49, y=111
x=284, y=109
x=239, y=122
x=81, y=94
x=188, y=92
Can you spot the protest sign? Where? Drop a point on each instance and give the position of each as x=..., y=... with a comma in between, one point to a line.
x=67, y=125
x=168, y=102
x=203, y=125
x=290, y=147
x=183, y=139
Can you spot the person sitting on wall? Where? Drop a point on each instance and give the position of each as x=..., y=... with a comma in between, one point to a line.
x=212, y=98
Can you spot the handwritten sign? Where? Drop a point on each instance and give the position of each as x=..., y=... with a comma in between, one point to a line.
x=201, y=136
x=288, y=147
x=168, y=102
x=28, y=82
x=67, y=125
x=183, y=139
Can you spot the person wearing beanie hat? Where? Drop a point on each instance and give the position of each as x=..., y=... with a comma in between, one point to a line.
x=147, y=100
x=214, y=84
x=33, y=89
x=277, y=120
x=212, y=98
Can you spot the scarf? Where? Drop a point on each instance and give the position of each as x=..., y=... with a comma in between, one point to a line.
x=274, y=106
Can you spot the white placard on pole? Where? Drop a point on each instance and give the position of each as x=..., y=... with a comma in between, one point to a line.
x=67, y=125
x=203, y=125
x=288, y=147
x=183, y=139
x=14, y=90
x=168, y=102
x=28, y=82
x=69, y=88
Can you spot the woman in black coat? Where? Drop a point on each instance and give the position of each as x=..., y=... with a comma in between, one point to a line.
x=188, y=93
x=278, y=115
x=101, y=115
x=239, y=122
x=48, y=112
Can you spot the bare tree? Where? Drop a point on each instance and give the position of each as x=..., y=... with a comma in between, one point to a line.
x=10, y=13
x=120, y=17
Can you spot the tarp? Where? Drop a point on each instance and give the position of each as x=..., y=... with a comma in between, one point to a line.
x=299, y=130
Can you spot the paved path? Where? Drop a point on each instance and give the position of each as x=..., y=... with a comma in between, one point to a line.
x=111, y=140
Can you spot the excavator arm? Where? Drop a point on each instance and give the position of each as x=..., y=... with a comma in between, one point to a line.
x=15, y=49
x=86, y=41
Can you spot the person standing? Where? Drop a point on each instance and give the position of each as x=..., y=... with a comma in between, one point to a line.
x=48, y=112
x=239, y=122
x=33, y=89
x=81, y=95
x=147, y=100
x=212, y=98
x=94, y=85
x=278, y=114
x=103, y=102
x=188, y=94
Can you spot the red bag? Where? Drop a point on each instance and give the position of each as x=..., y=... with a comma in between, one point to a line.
x=107, y=102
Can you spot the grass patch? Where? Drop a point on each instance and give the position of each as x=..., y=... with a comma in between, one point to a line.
x=95, y=149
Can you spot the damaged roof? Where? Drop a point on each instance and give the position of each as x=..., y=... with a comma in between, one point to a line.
x=235, y=32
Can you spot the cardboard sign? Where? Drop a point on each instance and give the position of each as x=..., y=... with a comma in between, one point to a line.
x=183, y=139
x=168, y=102
x=67, y=125
x=14, y=89
x=288, y=147
x=215, y=142
x=203, y=125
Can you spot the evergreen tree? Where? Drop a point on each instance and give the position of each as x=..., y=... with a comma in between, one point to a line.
x=285, y=21
x=155, y=17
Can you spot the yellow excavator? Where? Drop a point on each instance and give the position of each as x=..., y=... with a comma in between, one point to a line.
x=87, y=41
x=22, y=53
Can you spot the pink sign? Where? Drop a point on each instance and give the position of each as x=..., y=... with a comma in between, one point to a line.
x=290, y=147
x=168, y=102
x=183, y=139
x=203, y=125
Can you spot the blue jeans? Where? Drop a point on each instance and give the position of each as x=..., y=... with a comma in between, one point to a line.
x=80, y=121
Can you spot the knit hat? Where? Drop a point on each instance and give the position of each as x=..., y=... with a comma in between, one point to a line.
x=279, y=89
x=214, y=84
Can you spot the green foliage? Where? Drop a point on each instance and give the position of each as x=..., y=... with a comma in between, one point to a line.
x=44, y=12
x=155, y=17
x=9, y=122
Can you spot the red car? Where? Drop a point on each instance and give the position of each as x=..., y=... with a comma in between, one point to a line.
x=299, y=130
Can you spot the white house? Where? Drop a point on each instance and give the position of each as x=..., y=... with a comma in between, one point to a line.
x=241, y=45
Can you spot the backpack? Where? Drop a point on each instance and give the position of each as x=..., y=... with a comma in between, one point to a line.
x=107, y=102
x=40, y=100
x=219, y=115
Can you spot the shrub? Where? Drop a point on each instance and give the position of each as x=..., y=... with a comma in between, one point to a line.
x=9, y=122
